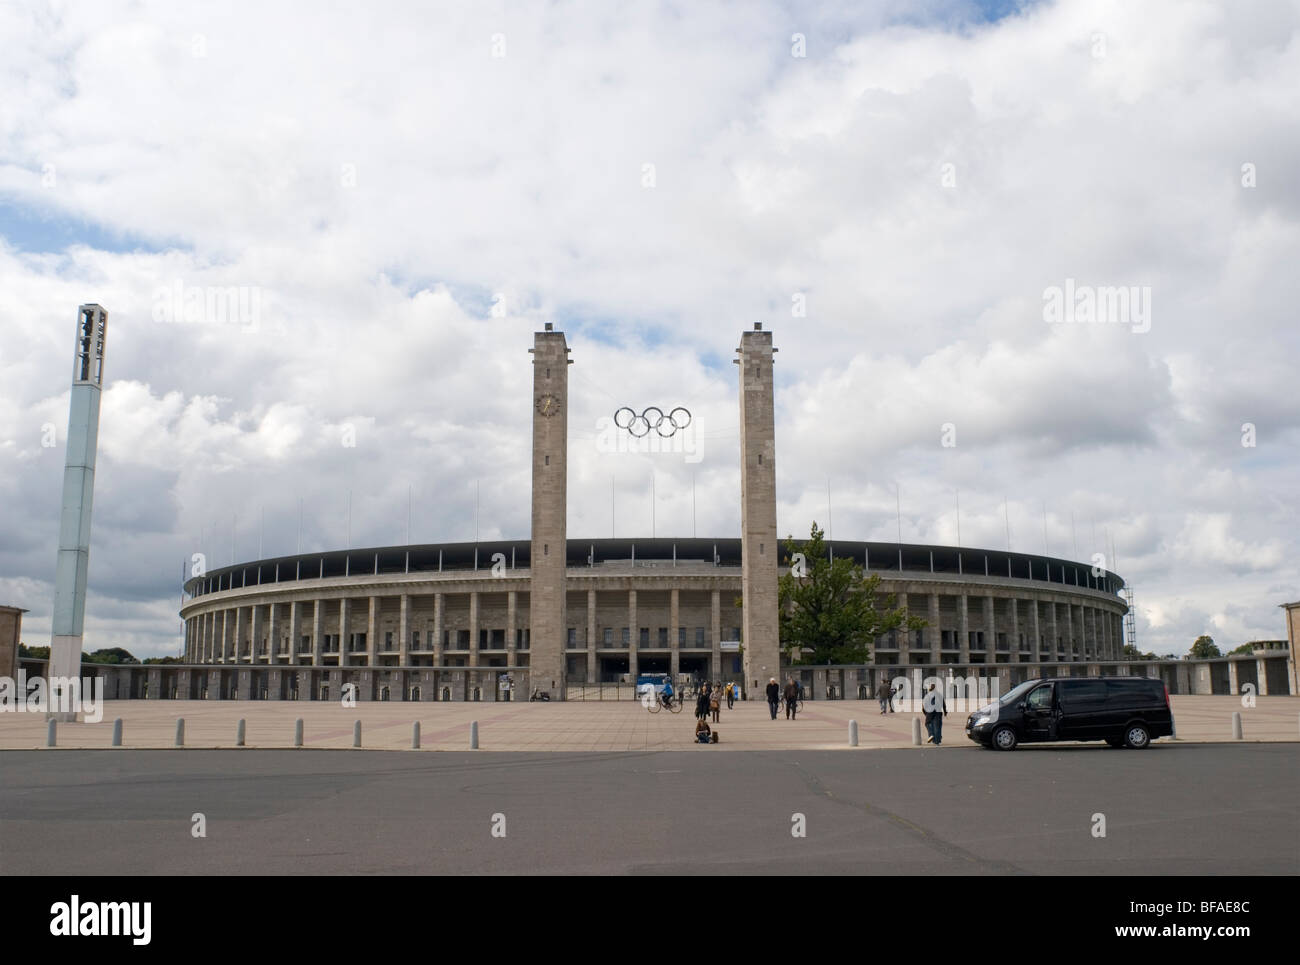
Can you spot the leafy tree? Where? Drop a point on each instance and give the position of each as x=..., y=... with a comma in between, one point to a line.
x=1133, y=653
x=109, y=655
x=162, y=660
x=1204, y=648
x=1244, y=648
x=35, y=653
x=832, y=609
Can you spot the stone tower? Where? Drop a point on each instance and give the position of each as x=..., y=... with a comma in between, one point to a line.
x=760, y=634
x=547, y=616
x=78, y=488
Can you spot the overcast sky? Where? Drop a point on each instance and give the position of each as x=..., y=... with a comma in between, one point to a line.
x=903, y=193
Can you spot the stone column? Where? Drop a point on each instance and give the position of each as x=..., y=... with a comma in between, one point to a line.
x=345, y=630
x=990, y=631
x=1014, y=606
x=512, y=619
x=1035, y=632
x=674, y=644
x=372, y=634
x=317, y=615
x=473, y=628
x=295, y=632
x=592, y=675
x=633, y=634
x=548, y=572
x=963, y=627
x=404, y=633
x=904, y=638
x=438, y=655
x=1234, y=687
x=1261, y=676
x=760, y=546
x=239, y=633
x=274, y=631
x=715, y=667
x=1052, y=631
x=934, y=632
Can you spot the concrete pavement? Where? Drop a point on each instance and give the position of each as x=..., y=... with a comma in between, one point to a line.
x=569, y=726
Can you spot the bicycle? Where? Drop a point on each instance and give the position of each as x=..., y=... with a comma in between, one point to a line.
x=798, y=706
x=654, y=703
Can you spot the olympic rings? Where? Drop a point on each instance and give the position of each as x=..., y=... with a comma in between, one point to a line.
x=645, y=421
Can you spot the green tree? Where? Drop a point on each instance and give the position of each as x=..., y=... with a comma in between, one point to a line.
x=1204, y=648
x=832, y=608
x=109, y=655
x=1244, y=648
x=1133, y=653
x=35, y=653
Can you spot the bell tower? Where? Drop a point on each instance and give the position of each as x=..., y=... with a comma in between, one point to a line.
x=547, y=616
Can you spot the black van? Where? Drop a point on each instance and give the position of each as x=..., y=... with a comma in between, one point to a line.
x=1123, y=711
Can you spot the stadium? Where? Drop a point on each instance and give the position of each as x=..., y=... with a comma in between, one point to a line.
x=447, y=621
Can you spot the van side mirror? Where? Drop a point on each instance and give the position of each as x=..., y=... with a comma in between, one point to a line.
x=1020, y=706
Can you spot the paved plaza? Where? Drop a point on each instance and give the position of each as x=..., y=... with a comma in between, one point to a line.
x=571, y=726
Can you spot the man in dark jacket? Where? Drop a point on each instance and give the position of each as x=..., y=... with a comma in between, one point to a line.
x=791, y=699
x=884, y=694
x=773, y=696
x=936, y=708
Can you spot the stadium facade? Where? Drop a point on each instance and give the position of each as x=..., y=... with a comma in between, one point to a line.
x=444, y=621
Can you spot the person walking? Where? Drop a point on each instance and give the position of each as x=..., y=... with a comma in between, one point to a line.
x=715, y=702
x=936, y=708
x=791, y=699
x=773, y=696
x=884, y=695
x=731, y=696
x=702, y=704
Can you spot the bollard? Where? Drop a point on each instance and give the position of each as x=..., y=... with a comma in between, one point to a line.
x=853, y=733
x=297, y=733
x=51, y=733
x=180, y=731
x=1173, y=728
x=415, y=736
x=473, y=735
x=916, y=731
x=117, y=732
x=356, y=734
x=239, y=733
x=1236, y=725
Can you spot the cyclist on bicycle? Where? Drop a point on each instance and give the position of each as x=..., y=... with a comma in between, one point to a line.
x=668, y=693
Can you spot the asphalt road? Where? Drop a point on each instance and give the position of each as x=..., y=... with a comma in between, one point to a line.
x=1169, y=810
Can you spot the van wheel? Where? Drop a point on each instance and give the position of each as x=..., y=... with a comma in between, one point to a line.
x=1137, y=736
x=1004, y=738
